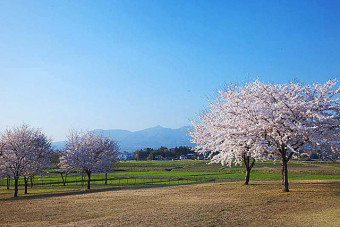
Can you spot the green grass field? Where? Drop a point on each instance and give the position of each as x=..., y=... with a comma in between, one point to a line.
x=147, y=173
x=299, y=170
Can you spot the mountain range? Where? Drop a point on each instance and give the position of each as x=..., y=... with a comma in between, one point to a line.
x=154, y=137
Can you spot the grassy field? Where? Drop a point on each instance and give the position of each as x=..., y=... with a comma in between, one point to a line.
x=145, y=173
x=168, y=193
x=298, y=170
x=310, y=203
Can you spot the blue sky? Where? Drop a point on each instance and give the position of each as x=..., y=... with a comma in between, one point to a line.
x=137, y=64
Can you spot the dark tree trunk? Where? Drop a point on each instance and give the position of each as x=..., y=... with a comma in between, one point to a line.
x=285, y=157
x=16, y=181
x=63, y=178
x=32, y=177
x=247, y=176
x=285, y=175
x=88, y=179
x=246, y=160
x=105, y=178
x=8, y=183
x=284, y=171
x=26, y=184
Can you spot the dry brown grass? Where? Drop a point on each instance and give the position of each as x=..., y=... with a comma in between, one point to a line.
x=310, y=203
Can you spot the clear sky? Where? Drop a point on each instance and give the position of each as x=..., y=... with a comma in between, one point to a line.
x=136, y=64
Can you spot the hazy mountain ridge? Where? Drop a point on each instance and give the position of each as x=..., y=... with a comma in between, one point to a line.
x=151, y=137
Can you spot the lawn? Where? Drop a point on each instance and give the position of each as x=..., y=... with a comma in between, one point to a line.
x=299, y=170
x=310, y=203
x=168, y=193
x=141, y=173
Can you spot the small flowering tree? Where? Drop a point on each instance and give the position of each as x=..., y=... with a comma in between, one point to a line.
x=42, y=161
x=64, y=170
x=24, y=152
x=89, y=153
x=223, y=133
x=109, y=158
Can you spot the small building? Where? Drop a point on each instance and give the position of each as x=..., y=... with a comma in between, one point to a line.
x=183, y=157
x=191, y=156
x=158, y=157
x=124, y=155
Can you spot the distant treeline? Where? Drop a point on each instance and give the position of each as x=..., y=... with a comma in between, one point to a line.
x=162, y=153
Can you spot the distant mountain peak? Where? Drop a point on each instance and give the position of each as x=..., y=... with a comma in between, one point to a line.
x=158, y=126
x=155, y=127
x=154, y=137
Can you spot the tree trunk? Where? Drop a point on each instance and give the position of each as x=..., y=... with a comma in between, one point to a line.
x=246, y=160
x=32, y=177
x=106, y=178
x=88, y=179
x=63, y=178
x=285, y=157
x=8, y=182
x=16, y=180
x=285, y=176
x=26, y=184
x=247, y=176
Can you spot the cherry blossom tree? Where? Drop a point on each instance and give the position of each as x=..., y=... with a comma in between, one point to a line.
x=278, y=119
x=89, y=153
x=24, y=152
x=222, y=133
x=294, y=117
x=111, y=159
x=64, y=170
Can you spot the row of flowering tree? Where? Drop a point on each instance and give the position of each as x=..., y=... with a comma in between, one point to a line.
x=251, y=122
x=25, y=152
x=89, y=153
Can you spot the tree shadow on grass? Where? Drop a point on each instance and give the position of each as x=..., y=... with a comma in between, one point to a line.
x=294, y=182
x=82, y=192
x=318, y=182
